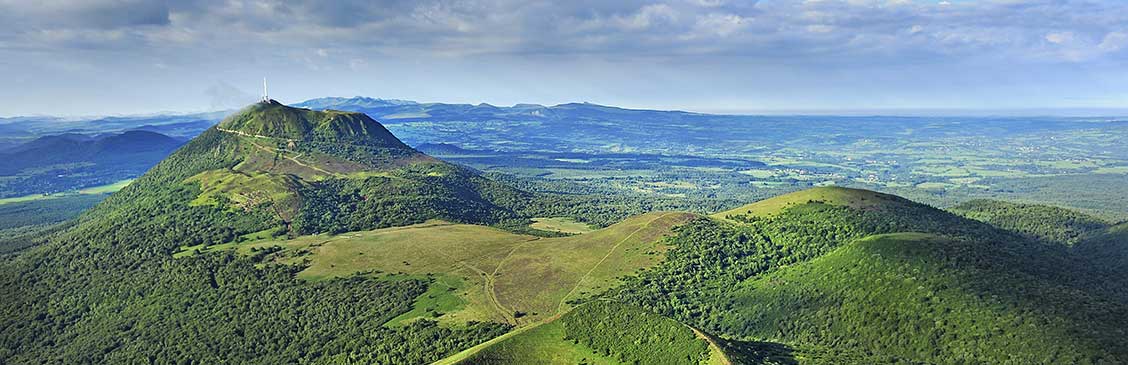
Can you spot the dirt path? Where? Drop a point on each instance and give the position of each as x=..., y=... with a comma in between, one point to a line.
x=712, y=344
x=269, y=150
x=488, y=285
x=560, y=307
x=491, y=293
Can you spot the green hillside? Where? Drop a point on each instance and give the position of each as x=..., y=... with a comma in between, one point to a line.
x=496, y=275
x=1108, y=251
x=274, y=120
x=109, y=291
x=812, y=276
x=1042, y=222
x=286, y=235
x=599, y=332
x=330, y=171
x=832, y=195
x=911, y=297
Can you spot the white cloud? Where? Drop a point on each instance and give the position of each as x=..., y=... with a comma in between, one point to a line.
x=721, y=25
x=820, y=28
x=1113, y=41
x=1059, y=37
x=358, y=64
x=648, y=15
x=640, y=28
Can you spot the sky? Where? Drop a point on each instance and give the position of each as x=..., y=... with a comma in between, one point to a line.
x=99, y=57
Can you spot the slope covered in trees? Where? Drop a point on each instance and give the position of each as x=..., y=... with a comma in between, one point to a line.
x=1108, y=251
x=109, y=291
x=1042, y=222
x=812, y=275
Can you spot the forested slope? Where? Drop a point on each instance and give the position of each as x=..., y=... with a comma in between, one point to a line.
x=812, y=275
x=1042, y=222
x=109, y=291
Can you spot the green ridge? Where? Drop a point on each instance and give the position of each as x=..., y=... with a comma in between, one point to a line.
x=1042, y=222
x=938, y=288
x=831, y=195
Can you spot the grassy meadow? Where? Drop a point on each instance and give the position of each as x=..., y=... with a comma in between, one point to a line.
x=484, y=273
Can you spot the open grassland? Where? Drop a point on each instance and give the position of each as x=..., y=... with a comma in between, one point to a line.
x=541, y=344
x=540, y=277
x=245, y=188
x=108, y=188
x=486, y=273
x=560, y=224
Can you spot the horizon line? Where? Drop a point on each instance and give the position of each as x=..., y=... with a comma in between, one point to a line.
x=1031, y=112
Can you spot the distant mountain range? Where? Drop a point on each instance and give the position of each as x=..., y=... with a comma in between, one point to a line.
x=608, y=128
x=19, y=130
x=68, y=161
x=393, y=111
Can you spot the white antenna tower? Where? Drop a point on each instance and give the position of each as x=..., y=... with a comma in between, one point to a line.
x=265, y=98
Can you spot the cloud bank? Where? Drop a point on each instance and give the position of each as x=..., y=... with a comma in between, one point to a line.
x=700, y=54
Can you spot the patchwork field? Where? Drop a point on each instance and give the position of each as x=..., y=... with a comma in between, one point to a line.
x=93, y=190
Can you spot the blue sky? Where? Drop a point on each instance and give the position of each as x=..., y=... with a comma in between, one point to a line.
x=65, y=57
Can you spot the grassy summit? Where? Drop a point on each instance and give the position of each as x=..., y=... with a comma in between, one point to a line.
x=274, y=120
x=323, y=171
x=831, y=195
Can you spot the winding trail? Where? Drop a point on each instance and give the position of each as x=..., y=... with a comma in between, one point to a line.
x=488, y=285
x=564, y=300
x=269, y=150
x=491, y=293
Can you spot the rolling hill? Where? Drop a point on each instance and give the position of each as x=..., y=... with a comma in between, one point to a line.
x=1108, y=250
x=1041, y=222
x=108, y=290
x=599, y=332
x=841, y=277
x=834, y=275
x=333, y=171
x=71, y=161
x=487, y=274
x=830, y=195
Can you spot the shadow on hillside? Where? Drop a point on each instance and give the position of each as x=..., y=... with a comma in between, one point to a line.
x=760, y=353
